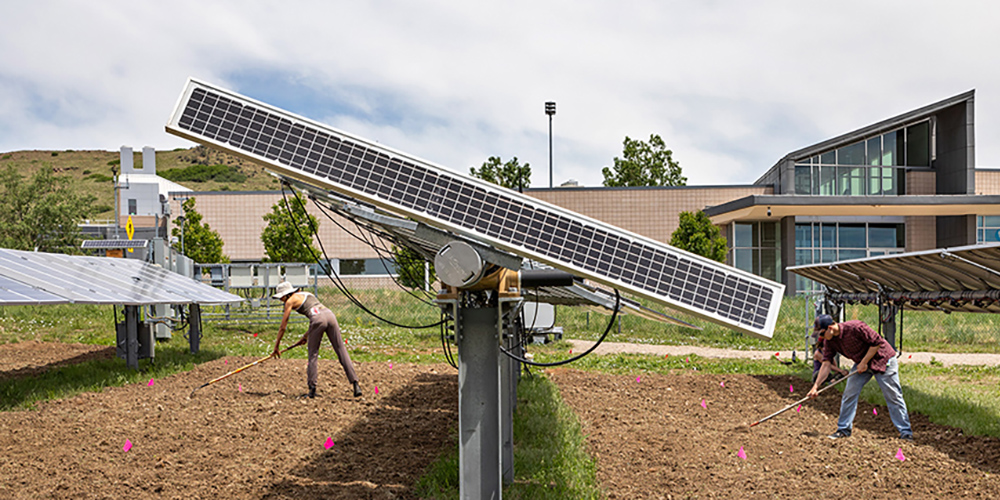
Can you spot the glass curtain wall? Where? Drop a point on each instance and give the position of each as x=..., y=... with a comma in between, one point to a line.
x=821, y=242
x=871, y=167
x=754, y=248
x=988, y=229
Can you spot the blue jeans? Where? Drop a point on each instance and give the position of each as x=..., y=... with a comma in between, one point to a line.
x=891, y=390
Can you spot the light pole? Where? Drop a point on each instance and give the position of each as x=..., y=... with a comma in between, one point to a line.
x=550, y=109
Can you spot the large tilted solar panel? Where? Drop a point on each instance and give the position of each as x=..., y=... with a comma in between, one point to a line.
x=102, y=280
x=15, y=293
x=361, y=169
x=404, y=233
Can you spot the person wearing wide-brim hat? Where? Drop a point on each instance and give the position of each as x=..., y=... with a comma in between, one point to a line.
x=321, y=320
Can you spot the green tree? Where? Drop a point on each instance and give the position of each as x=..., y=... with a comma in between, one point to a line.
x=644, y=164
x=281, y=237
x=697, y=234
x=410, y=267
x=199, y=241
x=511, y=174
x=41, y=214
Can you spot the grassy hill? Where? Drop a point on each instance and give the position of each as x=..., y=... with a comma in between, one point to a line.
x=90, y=171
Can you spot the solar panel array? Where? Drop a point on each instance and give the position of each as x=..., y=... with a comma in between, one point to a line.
x=320, y=155
x=36, y=278
x=114, y=244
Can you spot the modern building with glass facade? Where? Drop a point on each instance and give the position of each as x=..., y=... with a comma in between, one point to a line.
x=904, y=184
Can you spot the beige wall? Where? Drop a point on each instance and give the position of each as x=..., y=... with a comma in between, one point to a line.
x=987, y=181
x=238, y=218
x=651, y=212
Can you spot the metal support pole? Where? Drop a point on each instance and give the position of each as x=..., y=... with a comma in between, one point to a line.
x=550, y=151
x=194, y=327
x=132, y=337
x=479, y=403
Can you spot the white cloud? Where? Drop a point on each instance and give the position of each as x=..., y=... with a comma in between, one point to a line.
x=731, y=86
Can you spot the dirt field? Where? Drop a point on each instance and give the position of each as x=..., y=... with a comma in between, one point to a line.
x=253, y=436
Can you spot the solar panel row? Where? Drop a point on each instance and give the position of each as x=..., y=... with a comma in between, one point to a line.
x=98, y=280
x=517, y=223
x=114, y=244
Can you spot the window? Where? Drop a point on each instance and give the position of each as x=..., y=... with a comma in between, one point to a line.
x=987, y=229
x=755, y=248
x=132, y=209
x=366, y=267
x=821, y=242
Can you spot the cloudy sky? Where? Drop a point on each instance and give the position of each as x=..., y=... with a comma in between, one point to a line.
x=730, y=86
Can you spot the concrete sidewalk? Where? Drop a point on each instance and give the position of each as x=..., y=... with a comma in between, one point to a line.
x=947, y=359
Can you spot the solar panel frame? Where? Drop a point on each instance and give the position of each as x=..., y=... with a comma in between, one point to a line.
x=317, y=154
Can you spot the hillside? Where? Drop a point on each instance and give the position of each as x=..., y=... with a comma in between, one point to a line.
x=90, y=171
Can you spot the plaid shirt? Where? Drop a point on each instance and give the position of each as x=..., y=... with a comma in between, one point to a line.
x=854, y=341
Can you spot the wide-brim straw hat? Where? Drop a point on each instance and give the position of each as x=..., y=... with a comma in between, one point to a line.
x=284, y=288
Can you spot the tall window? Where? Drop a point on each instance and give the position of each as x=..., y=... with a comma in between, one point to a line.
x=132, y=209
x=754, y=248
x=869, y=167
x=820, y=242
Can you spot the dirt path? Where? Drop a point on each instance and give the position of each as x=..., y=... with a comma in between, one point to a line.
x=947, y=359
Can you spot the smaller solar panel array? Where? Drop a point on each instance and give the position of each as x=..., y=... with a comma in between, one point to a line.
x=114, y=244
x=523, y=225
x=45, y=278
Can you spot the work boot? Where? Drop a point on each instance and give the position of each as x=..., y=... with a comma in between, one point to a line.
x=357, y=390
x=312, y=392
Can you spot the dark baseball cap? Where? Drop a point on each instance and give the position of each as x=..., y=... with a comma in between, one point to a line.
x=823, y=321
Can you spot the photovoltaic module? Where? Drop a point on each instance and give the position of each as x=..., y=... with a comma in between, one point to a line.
x=322, y=156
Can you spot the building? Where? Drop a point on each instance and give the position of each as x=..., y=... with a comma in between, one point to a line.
x=907, y=183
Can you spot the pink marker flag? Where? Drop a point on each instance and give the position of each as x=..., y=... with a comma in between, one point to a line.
x=798, y=409
x=376, y=389
x=637, y=379
x=900, y=456
x=128, y=445
x=687, y=359
x=875, y=411
x=703, y=405
x=390, y=365
x=225, y=361
x=150, y=384
x=240, y=387
x=790, y=388
x=742, y=454
x=329, y=443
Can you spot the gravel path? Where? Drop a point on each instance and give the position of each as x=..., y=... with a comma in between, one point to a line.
x=948, y=359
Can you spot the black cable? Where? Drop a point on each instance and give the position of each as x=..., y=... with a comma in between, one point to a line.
x=335, y=280
x=372, y=245
x=611, y=323
x=446, y=346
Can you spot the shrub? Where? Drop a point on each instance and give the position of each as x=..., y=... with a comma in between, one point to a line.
x=204, y=173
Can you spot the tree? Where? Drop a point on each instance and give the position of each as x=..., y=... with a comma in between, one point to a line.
x=199, y=242
x=644, y=164
x=410, y=267
x=283, y=235
x=511, y=175
x=41, y=214
x=697, y=234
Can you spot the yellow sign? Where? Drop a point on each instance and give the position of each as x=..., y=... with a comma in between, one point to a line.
x=130, y=231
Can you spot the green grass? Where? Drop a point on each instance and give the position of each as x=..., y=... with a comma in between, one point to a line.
x=550, y=457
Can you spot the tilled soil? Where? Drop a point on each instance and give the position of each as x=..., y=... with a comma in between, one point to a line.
x=653, y=439
x=254, y=436
x=25, y=359
x=250, y=436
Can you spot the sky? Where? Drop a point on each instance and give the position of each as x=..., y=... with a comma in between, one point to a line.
x=731, y=87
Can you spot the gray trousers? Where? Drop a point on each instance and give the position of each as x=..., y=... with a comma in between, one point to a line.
x=325, y=321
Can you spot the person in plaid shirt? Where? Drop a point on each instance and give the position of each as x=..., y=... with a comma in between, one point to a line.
x=873, y=357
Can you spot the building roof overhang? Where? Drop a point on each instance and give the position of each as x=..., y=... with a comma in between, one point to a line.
x=774, y=207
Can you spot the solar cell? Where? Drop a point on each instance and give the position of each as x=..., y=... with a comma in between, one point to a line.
x=15, y=293
x=404, y=184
